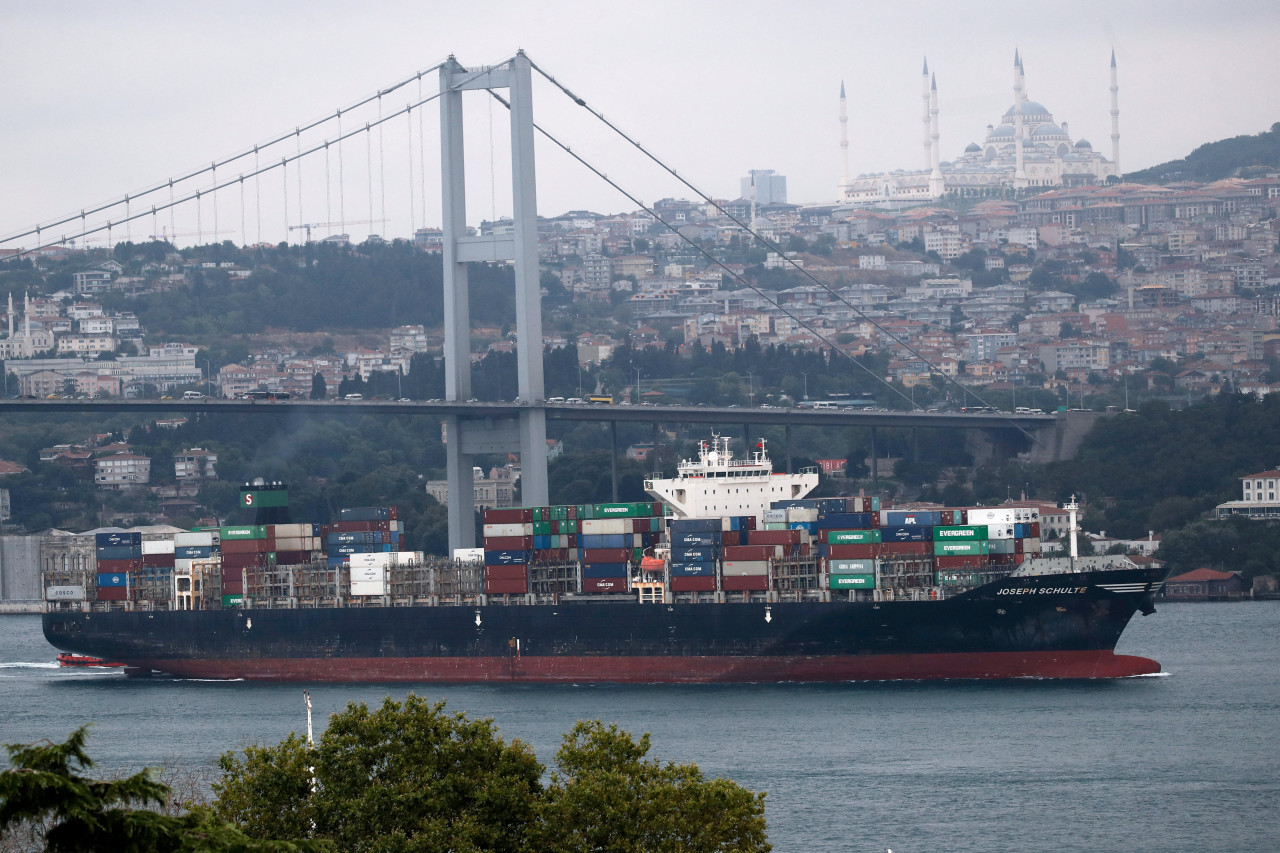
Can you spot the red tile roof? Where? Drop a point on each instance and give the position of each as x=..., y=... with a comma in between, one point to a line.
x=1274, y=472
x=1202, y=575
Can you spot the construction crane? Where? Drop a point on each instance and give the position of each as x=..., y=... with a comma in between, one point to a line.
x=168, y=236
x=307, y=226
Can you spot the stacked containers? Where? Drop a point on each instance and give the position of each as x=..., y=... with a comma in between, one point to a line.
x=696, y=544
x=188, y=548
x=242, y=547
x=118, y=555
x=362, y=530
x=746, y=567
x=508, y=548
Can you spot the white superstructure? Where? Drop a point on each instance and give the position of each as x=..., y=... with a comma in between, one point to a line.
x=716, y=485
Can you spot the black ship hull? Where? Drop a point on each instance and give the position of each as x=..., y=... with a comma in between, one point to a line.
x=1051, y=626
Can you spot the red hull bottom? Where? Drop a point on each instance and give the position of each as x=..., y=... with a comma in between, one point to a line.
x=988, y=665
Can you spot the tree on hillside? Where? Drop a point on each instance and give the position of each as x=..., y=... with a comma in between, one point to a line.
x=318, y=388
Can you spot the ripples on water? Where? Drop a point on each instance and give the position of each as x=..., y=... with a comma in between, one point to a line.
x=1184, y=762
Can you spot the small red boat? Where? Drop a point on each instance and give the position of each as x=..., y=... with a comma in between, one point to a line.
x=69, y=659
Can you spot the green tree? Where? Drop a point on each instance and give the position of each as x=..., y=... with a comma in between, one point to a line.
x=318, y=388
x=407, y=776
x=43, y=796
x=605, y=795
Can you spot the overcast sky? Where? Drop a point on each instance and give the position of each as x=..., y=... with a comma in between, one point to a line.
x=104, y=99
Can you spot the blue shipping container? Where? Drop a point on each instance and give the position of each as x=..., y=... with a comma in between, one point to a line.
x=364, y=537
x=693, y=555
x=693, y=570
x=110, y=540
x=606, y=540
x=120, y=552
x=695, y=540
x=906, y=533
x=695, y=525
x=844, y=520
x=604, y=570
x=505, y=558
x=113, y=579
x=192, y=552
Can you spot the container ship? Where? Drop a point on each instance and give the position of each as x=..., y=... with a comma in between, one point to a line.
x=730, y=575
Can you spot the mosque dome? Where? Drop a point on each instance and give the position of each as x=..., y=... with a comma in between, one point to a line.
x=1048, y=131
x=1030, y=109
x=972, y=148
x=1084, y=144
x=1003, y=131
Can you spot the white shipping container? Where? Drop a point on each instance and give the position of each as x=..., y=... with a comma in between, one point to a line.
x=606, y=526
x=361, y=562
x=516, y=529
x=364, y=588
x=157, y=546
x=999, y=531
x=291, y=531
x=64, y=593
x=851, y=567
x=803, y=514
x=295, y=543
x=202, y=537
x=993, y=515
x=470, y=555
x=775, y=515
x=740, y=568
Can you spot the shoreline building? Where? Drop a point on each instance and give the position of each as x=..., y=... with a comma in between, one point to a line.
x=1027, y=150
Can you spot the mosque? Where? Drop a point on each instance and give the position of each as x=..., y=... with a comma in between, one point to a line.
x=1026, y=151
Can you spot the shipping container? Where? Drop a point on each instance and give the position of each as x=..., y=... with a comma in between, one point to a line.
x=505, y=557
x=199, y=537
x=607, y=555
x=851, y=537
x=844, y=520
x=506, y=573
x=852, y=581
x=604, y=526
x=512, y=529
x=157, y=546
x=505, y=543
x=905, y=533
x=365, y=513
x=774, y=537
x=604, y=584
x=629, y=510
x=114, y=566
x=106, y=579
x=959, y=562
x=851, y=567
x=974, y=531
x=119, y=552
x=693, y=584
x=693, y=570
x=113, y=593
x=694, y=555
x=232, y=600
x=753, y=552
x=155, y=561
x=865, y=551
x=252, y=531
x=744, y=583
x=961, y=548
x=744, y=567
x=611, y=540
x=695, y=539
x=115, y=540
x=510, y=587
x=695, y=525
x=911, y=518
x=605, y=570
x=905, y=549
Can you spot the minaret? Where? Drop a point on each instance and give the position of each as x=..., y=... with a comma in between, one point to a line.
x=924, y=96
x=10, y=315
x=1019, y=174
x=844, y=144
x=1115, y=116
x=936, y=184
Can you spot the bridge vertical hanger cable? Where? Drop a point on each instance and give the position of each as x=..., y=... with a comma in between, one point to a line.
x=422, y=155
x=328, y=192
x=342, y=184
x=173, y=222
x=368, y=159
x=244, y=233
x=382, y=164
x=301, y=215
x=214, y=198
x=748, y=229
x=257, y=190
x=413, y=214
x=284, y=183
x=128, y=227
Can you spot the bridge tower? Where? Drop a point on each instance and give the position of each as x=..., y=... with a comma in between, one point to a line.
x=469, y=434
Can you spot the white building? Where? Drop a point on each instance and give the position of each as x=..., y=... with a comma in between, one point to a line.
x=1259, y=497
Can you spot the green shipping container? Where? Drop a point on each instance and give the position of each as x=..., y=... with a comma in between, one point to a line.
x=559, y=513
x=853, y=581
x=640, y=510
x=972, y=548
x=232, y=600
x=542, y=528
x=960, y=532
x=852, y=537
x=254, y=531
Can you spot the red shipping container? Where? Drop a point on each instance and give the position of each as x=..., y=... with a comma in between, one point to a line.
x=706, y=584
x=903, y=549
x=1019, y=546
x=959, y=562
x=773, y=537
x=864, y=551
x=751, y=552
x=113, y=593
x=505, y=573
x=745, y=583
x=804, y=549
x=155, y=561
x=511, y=587
x=551, y=555
x=393, y=513
x=1035, y=530
x=875, y=519
x=111, y=567
x=360, y=527
x=604, y=584
x=244, y=546
x=508, y=543
x=292, y=558
x=233, y=585
x=606, y=555
x=243, y=561
x=510, y=515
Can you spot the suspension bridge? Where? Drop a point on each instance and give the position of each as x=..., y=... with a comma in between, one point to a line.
x=369, y=163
